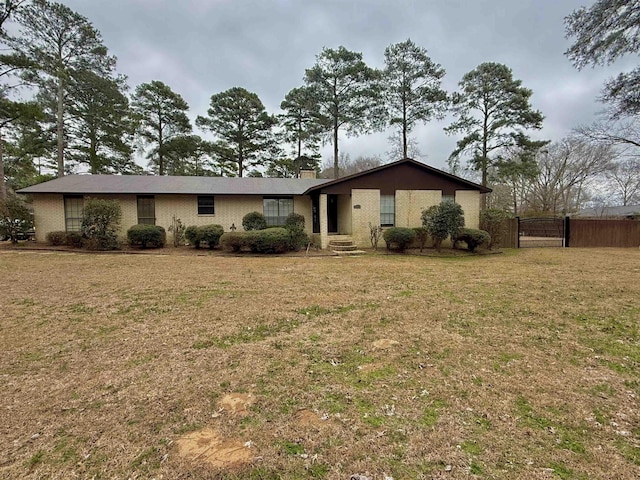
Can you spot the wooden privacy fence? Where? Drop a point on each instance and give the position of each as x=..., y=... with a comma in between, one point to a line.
x=577, y=233
x=604, y=233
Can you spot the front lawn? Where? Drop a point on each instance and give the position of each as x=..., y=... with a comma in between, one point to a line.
x=521, y=365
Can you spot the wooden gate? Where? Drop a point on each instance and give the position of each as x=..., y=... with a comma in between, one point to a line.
x=542, y=232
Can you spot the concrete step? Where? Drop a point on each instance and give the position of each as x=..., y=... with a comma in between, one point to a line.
x=348, y=252
x=343, y=248
x=340, y=242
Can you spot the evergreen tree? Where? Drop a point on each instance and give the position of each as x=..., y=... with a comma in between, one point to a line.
x=412, y=88
x=243, y=130
x=161, y=114
x=348, y=94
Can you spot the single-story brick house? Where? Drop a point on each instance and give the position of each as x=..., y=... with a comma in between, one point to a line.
x=391, y=195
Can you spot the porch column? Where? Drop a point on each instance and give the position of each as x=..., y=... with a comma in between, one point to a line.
x=324, y=224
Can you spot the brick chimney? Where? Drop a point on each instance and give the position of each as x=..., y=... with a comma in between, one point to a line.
x=307, y=173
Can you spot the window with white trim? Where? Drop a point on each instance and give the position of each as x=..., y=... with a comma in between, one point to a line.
x=276, y=210
x=387, y=210
x=146, y=210
x=73, y=206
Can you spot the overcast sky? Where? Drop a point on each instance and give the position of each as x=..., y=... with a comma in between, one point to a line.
x=202, y=47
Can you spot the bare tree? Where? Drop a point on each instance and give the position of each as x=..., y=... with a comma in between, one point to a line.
x=624, y=180
x=566, y=169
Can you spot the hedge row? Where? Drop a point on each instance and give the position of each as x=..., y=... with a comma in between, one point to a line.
x=268, y=240
x=209, y=234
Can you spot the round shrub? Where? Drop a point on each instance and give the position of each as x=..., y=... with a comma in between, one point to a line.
x=191, y=234
x=398, y=237
x=210, y=234
x=254, y=221
x=233, y=241
x=57, y=238
x=269, y=240
x=442, y=221
x=147, y=236
x=472, y=237
x=74, y=239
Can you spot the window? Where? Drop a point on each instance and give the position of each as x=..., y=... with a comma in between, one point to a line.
x=73, y=205
x=205, y=205
x=147, y=210
x=448, y=198
x=387, y=210
x=276, y=210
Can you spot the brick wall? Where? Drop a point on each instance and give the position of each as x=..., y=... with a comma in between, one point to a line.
x=229, y=209
x=469, y=200
x=411, y=203
x=369, y=212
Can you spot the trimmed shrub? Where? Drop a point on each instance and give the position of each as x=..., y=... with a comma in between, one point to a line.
x=57, y=238
x=233, y=241
x=398, y=237
x=147, y=236
x=254, y=221
x=191, y=234
x=472, y=237
x=210, y=234
x=269, y=240
x=493, y=221
x=74, y=239
x=298, y=238
x=101, y=223
x=442, y=221
x=421, y=236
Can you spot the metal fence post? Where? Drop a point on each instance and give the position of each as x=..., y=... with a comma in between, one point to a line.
x=567, y=231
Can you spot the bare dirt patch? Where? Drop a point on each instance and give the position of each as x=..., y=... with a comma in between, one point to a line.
x=384, y=343
x=308, y=418
x=237, y=403
x=207, y=446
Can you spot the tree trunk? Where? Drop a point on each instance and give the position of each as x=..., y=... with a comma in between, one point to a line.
x=60, y=125
x=404, y=129
x=3, y=185
x=336, y=172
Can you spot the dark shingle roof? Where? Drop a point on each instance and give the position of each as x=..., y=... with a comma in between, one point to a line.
x=155, y=185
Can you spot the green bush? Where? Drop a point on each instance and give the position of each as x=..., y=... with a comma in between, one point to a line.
x=15, y=219
x=101, y=223
x=493, y=221
x=254, y=221
x=74, y=239
x=298, y=238
x=398, y=237
x=210, y=234
x=191, y=234
x=233, y=241
x=421, y=236
x=147, y=236
x=57, y=237
x=269, y=240
x=472, y=237
x=442, y=221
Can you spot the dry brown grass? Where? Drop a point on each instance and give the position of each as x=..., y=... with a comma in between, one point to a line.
x=522, y=365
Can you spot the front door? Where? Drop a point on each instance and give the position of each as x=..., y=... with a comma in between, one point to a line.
x=332, y=213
